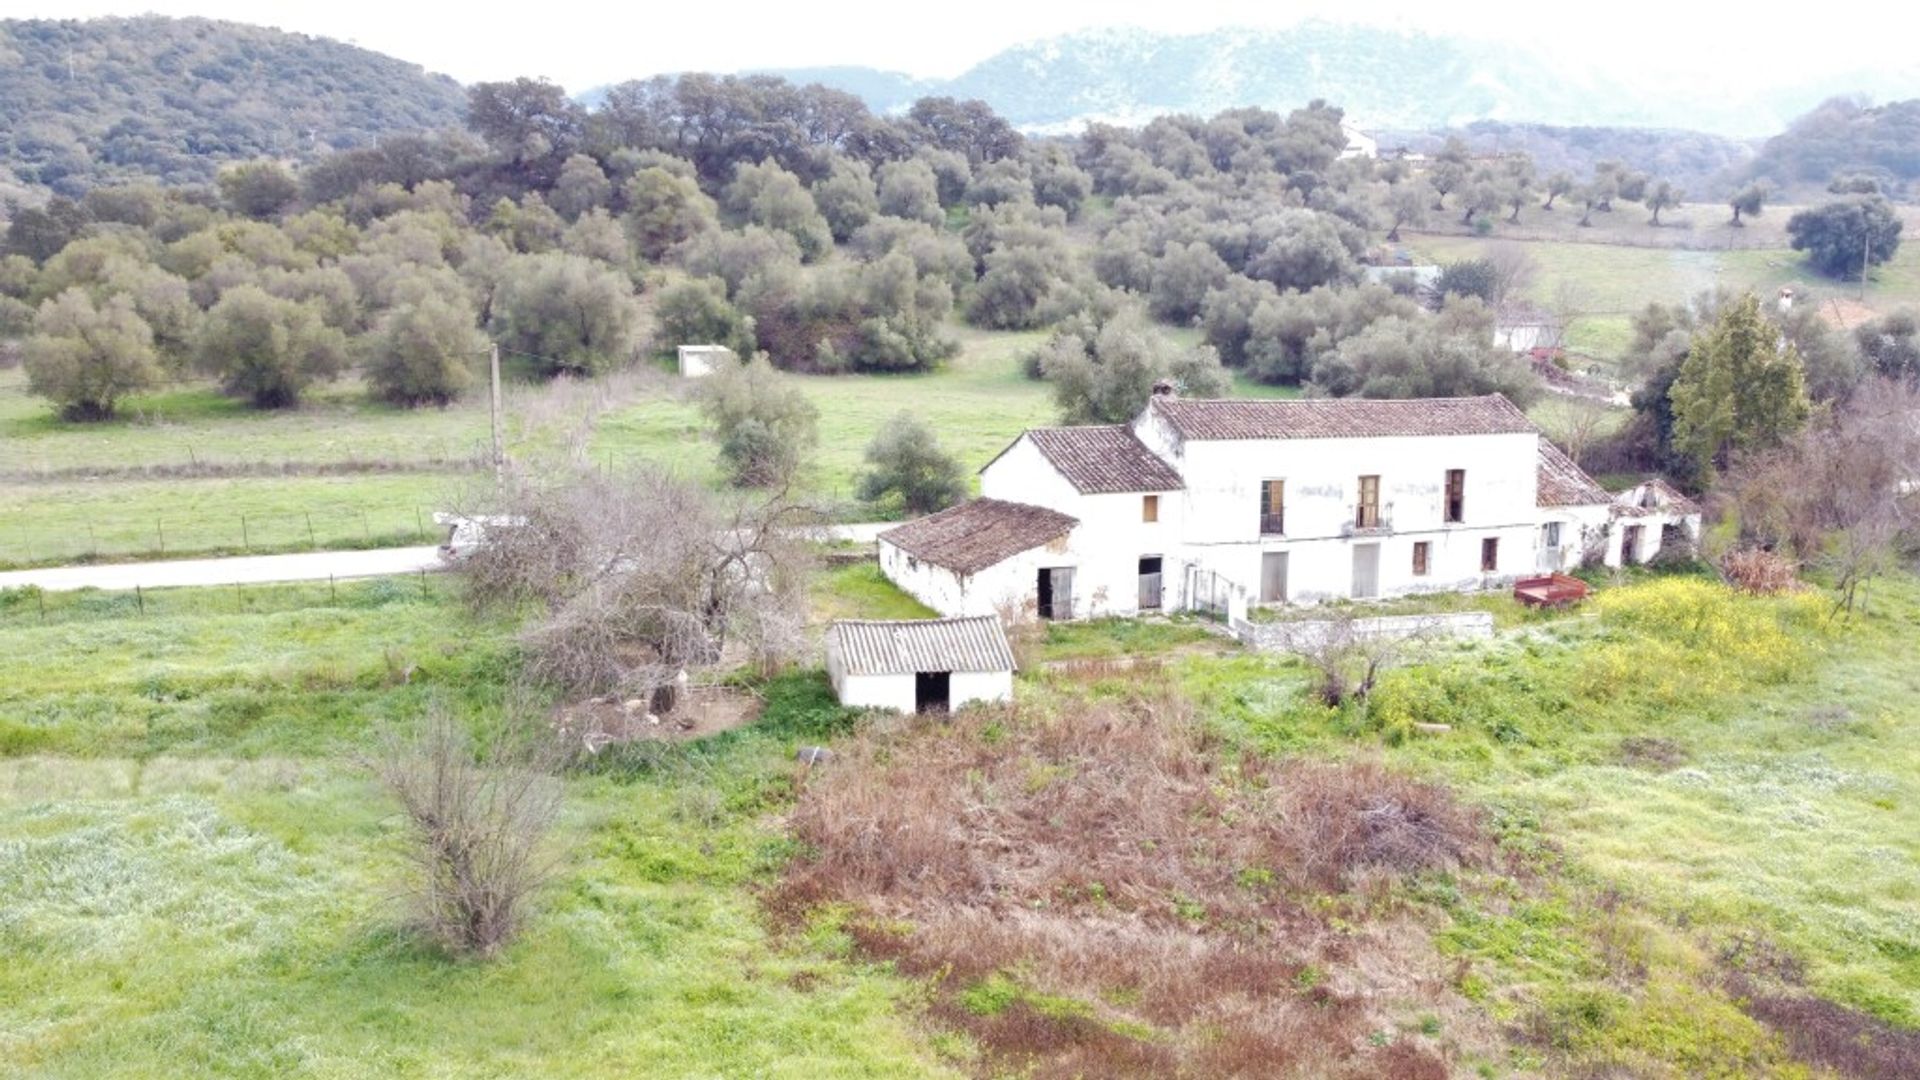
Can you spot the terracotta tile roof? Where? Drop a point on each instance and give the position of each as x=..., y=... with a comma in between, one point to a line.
x=1562, y=483
x=1655, y=496
x=1342, y=418
x=968, y=538
x=1104, y=459
x=908, y=646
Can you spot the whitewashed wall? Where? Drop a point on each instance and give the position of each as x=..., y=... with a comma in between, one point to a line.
x=896, y=692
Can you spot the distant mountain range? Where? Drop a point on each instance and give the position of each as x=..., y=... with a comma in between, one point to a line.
x=1383, y=78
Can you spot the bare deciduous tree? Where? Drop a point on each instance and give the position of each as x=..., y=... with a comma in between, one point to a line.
x=476, y=825
x=640, y=576
x=1347, y=655
x=1842, y=496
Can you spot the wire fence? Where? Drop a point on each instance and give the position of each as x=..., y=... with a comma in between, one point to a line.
x=24, y=543
x=38, y=607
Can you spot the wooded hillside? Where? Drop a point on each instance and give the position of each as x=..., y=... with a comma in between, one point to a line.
x=173, y=99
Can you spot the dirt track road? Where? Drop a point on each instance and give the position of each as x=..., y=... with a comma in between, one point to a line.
x=237, y=570
x=304, y=566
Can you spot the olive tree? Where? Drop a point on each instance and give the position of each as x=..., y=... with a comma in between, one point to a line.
x=423, y=351
x=695, y=311
x=84, y=356
x=566, y=314
x=664, y=209
x=905, y=460
x=764, y=425
x=267, y=349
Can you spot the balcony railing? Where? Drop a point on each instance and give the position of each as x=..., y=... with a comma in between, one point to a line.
x=1368, y=520
x=1273, y=524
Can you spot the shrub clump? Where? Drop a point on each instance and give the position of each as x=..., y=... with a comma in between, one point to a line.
x=1101, y=893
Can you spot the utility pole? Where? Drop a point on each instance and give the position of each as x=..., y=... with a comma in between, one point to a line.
x=499, y=450
x=1866, y=256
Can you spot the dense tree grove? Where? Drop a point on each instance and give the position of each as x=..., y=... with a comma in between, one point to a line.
x=791, y=222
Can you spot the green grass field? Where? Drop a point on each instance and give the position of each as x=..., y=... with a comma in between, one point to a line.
x=1742, y=768
x=197, y=877
x=71, y=491
x=1609, y=282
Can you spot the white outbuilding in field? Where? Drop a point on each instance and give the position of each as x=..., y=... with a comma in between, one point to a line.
x=919, y=665
x=698, y=361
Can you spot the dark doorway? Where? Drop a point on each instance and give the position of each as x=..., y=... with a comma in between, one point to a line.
x=1056, y=593
x=932, y=691
x=1150, y=583
x=1630, y=545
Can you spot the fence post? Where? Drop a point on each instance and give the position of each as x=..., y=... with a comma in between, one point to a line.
x=311, y=542
x=333, y=597
x=366, y=532
x=160, y=527
x=140, y=598
x=245, y=544
x=419, y=524
x=41, y=595
x=423, y=583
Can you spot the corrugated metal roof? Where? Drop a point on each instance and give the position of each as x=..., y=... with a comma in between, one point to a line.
x=1562, y=483
x=975, y=535
x=1342, y=418
x=904, y=647
x=1104, y=459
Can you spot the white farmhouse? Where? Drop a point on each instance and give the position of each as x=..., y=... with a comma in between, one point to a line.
x=1359, y=143
x=1219, y=505
x=919, y=665
x=698, y=361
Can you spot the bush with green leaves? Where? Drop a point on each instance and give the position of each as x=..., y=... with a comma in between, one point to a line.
x=905, y=462
x=1104, y=374
x=665, y=209
x=773, y=198
x=1845, y=237
x=695, y=311
x=84, y=356
x=764, y=425
x=566, y=314
x=267, y=349
x=424, y=350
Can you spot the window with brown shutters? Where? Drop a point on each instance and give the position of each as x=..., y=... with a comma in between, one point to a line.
x=1456, y=510
x=1421, y=549
x=1273, y=507
x=1367, y=514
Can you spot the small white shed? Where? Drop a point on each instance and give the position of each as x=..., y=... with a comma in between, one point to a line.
x=697, y=361
x=919, y=665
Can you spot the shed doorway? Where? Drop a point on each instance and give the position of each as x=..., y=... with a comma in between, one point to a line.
x=1630, y=545
x=932, y=691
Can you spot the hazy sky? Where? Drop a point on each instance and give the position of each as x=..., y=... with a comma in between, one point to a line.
x=580, y=43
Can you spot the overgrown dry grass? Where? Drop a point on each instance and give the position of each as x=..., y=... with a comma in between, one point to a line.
x=1103, y=892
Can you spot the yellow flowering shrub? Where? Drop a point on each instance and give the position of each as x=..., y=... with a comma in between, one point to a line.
x=1681, y=636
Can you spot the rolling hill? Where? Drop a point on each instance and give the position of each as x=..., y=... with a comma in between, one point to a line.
x=1384, y=78
x=100, y=99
